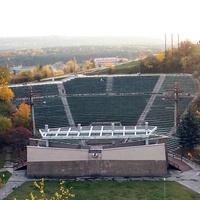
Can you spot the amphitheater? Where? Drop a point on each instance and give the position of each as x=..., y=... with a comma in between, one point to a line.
x=104, y=125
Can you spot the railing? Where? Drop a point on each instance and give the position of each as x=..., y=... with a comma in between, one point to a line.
x=186, y=160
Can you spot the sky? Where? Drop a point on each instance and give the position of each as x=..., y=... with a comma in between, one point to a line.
x=145, y=18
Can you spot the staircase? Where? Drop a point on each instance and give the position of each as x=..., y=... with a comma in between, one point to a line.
x=178, y=163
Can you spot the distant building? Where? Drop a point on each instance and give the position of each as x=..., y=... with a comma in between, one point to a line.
x=106, y=60
x=17, y=69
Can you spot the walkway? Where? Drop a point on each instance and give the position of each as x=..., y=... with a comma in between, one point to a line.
x=151, y=100
x=62, y=93
x=109, y=85
x=189, y=178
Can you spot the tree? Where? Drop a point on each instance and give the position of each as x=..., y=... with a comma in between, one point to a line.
x=5, y=123
x=188, y=131
x=186, y=48
x=4, y=75
x=22, y=116
x=160, y=56
x=62, y=194
x=18, y=137
x=6, y=94
x=46, y=71
x=26, y=76
x=2, y=139
x=185, y=63
x=89, y=64
x=70, y=67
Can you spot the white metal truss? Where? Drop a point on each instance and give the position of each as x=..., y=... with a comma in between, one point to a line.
x=98, y=132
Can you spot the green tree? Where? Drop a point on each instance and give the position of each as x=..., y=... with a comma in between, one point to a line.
x=26, y=76
x=5, y=123
x=188, y=131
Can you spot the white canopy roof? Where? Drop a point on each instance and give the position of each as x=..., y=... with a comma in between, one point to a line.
x=98, y=132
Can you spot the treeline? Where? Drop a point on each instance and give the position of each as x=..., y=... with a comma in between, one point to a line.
x=45, y=56
x=183, y=59
x=14, y=122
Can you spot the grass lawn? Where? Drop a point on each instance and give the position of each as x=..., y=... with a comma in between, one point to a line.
x=112, y=190
x=7, y=175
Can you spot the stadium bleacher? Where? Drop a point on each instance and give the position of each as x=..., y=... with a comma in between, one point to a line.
x=134, y=84
x=50, y=111
x=85, y=85
x=91, y=100
x=126, y=109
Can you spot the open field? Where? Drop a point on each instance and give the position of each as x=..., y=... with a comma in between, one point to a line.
x=113, y=190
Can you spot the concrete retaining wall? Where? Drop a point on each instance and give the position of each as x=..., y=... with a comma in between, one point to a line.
x=146, y=160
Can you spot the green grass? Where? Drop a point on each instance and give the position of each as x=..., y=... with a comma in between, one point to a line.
x=4, y=179
x=113, y=190
x=127, y=68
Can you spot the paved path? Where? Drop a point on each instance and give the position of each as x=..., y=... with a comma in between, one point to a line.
x=189, y=178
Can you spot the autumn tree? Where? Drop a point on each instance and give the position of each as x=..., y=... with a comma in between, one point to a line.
x=160, y=56
x=111, y=69
x=18, y=137
x=186, y=48
x=5, y=75
x=70, y=67
x=22, y=116
x=6, y=94
x=46, y=71
x=89, y=64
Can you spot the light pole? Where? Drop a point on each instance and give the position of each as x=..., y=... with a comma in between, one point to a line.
x=4, y=182
x=164, y=189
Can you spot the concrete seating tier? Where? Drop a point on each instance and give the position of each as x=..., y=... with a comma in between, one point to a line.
x=85, y=85
x=134, y=84
x=50, y=112
x=126, y=109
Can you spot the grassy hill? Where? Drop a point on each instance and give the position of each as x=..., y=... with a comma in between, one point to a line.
x=127, y=68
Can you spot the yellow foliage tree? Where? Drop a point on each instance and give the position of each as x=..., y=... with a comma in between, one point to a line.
x=46, y=71
x=62, y=194
x=22, y=116
x=70, y=67
x=160, y=56
x=4, y=75
x=6, y=94
x=89, y=64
